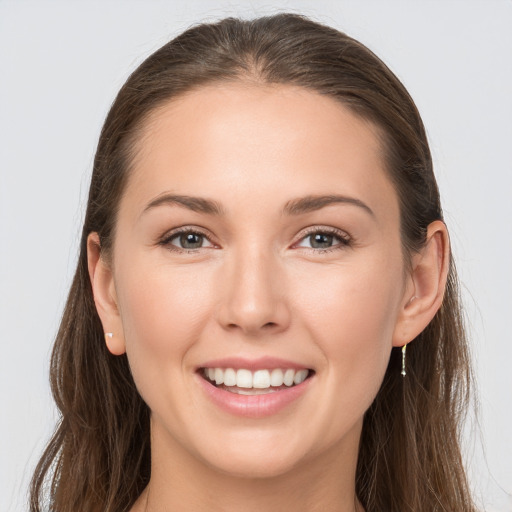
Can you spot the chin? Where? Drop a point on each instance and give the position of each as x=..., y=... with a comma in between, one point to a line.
x=253, y=454
x=255, y=466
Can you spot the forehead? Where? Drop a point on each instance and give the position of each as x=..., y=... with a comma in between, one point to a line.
x=257, y=140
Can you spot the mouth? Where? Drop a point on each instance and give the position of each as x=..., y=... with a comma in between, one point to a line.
x=243, y=381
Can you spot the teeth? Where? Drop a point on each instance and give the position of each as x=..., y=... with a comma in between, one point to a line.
x=288, y=377
x=260, y=379
x=252, y=391
x=276, y=377
x=230, y=377
x=300, y=376
x=219, y=376
x=243, y=378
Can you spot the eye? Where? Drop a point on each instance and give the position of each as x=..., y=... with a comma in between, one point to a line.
x=186, y=240
x=324, y=239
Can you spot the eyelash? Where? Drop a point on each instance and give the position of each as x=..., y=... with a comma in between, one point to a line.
x=344, y=239
x=166, y=240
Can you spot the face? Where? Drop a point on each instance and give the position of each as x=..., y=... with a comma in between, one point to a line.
x=257, y=240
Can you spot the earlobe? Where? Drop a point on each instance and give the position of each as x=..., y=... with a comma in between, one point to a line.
x=102, y=283
x=426, y=286
x=115, y=344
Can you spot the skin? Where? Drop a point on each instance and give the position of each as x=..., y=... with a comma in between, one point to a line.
x=259, y=286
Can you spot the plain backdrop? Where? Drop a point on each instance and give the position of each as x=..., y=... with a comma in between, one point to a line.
x=61, y=64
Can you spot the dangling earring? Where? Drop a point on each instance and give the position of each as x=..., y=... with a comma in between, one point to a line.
x=403, y=360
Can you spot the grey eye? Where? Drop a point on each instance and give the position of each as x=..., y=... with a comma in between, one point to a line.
x=189, y=240
x=321, y=240
x=324, y=240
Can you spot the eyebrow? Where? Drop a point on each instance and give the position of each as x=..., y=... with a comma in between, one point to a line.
x=196, y=204
x=312, y=203
x=297, y=206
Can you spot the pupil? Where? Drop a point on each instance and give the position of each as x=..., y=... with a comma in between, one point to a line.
x=321, y=240
x=191, y=240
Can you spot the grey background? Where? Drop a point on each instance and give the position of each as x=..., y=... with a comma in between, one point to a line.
x=62, y=62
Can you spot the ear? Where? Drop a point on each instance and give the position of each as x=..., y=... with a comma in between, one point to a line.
x=424, y=290
x=105, y=299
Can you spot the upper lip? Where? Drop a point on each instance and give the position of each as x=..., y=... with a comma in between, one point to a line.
x=260, y=363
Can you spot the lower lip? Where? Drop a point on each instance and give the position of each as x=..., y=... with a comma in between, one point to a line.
x=253, y=406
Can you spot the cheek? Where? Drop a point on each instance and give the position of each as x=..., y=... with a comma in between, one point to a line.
x=352, y=304
x=351, y=313
x=160, y=299
x=163, y=313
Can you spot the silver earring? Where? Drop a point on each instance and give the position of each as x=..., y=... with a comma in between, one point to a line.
x=108, y=335
x=403, y=360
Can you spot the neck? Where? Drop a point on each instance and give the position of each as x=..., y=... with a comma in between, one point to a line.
x=181, y=481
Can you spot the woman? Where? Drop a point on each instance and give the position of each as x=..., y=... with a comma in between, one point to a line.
x=263, y=240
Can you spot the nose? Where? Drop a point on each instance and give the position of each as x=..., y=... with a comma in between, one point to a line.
x=254, y=296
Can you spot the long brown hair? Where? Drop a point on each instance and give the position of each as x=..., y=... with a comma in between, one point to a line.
x=409, y=456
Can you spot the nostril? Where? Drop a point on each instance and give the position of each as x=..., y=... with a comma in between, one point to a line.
x=268, y=325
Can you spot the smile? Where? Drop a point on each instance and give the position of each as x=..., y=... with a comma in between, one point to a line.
x=247, y=382
x=254, y=393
